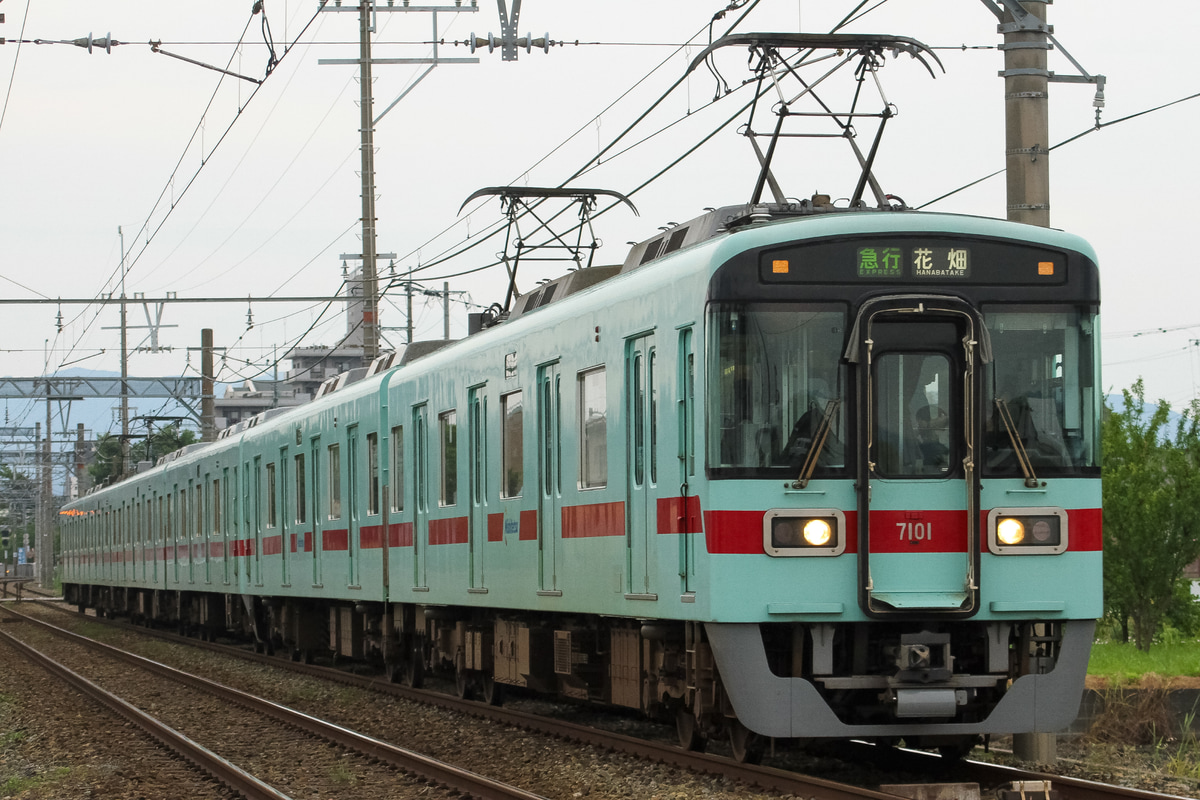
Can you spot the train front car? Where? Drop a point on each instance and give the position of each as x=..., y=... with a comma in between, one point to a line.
x=902, y=509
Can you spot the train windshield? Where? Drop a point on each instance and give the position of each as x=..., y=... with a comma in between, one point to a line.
x=775, y=375
x=1043, y=379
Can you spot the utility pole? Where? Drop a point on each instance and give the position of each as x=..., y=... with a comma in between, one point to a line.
x=370, y=275
x=1027, y=159
x=367, y=14
x=1028, y=40
x=408, y=292
x=1027, y=114
x=125, y=465
x=208, y=411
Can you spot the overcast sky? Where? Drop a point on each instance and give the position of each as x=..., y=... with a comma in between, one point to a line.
x=263, y=201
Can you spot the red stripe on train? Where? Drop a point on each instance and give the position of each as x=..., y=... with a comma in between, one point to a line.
x=449, y=531
x=334, y=540
x=598, y=519
x=741, y=532
x=679, y=515
x=529, y=526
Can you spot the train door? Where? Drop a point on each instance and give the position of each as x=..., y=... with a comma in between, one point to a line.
x=173, y=533
x=254, y=523
x=918, y=518
x=226, y=527
x=314, y=463
x=477, y=454
x=187, y=511
x=642, y=467
x=353, y=495
x=549, y=390
x=686, y=420
x=284, y=519
x=420, y=454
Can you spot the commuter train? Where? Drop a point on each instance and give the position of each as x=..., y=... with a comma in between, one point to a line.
x=783, y=473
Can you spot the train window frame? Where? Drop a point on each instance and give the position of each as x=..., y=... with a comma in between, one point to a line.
x=334, y=455
x=1054, y=399
x=512, y=444
x=373, y=473
x=765, y=393
x=905, y=439
x=301, y=491
x=448, y=458
x=592, y=392
x=272, y=516
x=216, y=512
x=397, y=468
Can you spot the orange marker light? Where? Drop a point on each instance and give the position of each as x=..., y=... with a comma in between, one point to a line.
x=779, y=267
x=1045, y=268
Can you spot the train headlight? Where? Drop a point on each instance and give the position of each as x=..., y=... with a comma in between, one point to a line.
x=1027, y=531
x=804, y=532
x=1010, y=531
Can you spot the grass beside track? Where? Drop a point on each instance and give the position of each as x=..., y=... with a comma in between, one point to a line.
x=1120, y=664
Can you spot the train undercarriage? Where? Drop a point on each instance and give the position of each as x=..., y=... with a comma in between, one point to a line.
x=932, y=685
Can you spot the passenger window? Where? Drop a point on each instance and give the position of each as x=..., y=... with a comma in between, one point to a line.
x=398, y=468
x=448, y=433
x=372, y=473
x=512, y=445
x=593, y=429
x=335, y=482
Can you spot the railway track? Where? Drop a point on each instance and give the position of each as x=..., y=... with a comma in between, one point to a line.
x=327, y=760
x=989, y=776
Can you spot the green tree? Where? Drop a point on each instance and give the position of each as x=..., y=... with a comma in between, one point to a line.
x=1151, y=512
x=107, y=464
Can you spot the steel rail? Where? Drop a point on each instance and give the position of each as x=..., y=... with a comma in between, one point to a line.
x=447, y=775
x=985, y=774
x=226, y=773
x=767, y=778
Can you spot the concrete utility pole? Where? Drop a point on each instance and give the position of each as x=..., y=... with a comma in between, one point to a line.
x=1028, y=40
x=125, y=465
x=1027, y=159
x=208, y=409
x=1027, y=114
x=367, y=15
x=370, y=273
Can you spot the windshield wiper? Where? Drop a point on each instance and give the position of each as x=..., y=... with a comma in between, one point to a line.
x=1019, y=449
x=818, y=443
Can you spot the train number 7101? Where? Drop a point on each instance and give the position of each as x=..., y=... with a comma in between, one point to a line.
x=915, y=531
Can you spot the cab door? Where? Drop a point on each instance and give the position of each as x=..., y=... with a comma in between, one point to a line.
x=918, y=516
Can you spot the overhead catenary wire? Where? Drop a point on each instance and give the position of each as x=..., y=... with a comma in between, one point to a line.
x=451, y=253
x=1099, y=126
x=150, y=235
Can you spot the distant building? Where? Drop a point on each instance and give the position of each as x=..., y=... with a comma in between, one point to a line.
x=312, y=365
x=1192, y=572
x=255, y=397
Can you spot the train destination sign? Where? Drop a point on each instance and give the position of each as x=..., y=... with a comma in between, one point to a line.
x=913, y=261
